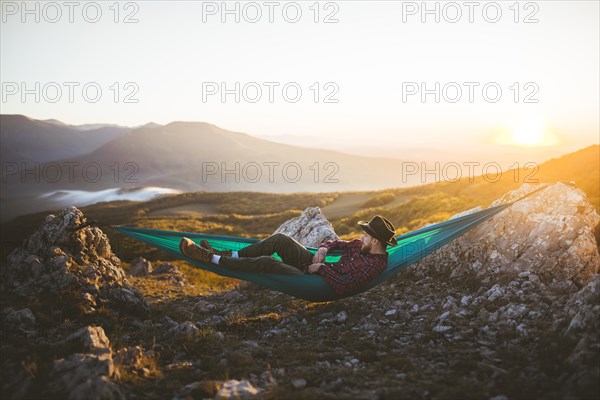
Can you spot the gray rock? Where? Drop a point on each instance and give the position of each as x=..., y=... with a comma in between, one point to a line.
x=466, y=300
x=85, y=377
x=515, y=311
x=299, y=383
x=140, y=267
x=203, y=306
x=444, y=315
x=495, y=292
x=199, y=390
x=20, y=320
x=185, y=330
x=311, y=228
x=234, y=389
x=90, y=339
x=550, y=234
x=441, y=328
x=341, y=317
x=130, y=357
x=267, y=380
x=493, y=317
x=212, y=321
x=449, y=302
x=85, y=373
x=273, y=332
x=233, y=296
x=63, y=256
x=584, y=308
x=166, y=268
x=522, y=330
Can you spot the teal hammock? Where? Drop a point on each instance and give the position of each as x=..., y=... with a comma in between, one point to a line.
x=411, y=247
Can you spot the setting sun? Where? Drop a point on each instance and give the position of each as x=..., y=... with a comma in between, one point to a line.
x=530, y=132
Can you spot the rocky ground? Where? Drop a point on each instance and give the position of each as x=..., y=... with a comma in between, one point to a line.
x=462, y=323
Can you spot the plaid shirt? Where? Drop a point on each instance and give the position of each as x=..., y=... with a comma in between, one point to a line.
x=353, y=270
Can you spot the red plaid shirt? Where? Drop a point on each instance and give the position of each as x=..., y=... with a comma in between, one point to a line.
x=353, y=270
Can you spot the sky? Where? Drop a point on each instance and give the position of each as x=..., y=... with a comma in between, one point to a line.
x=382, y=73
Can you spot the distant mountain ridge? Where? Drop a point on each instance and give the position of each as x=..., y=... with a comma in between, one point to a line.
x=26, y=139
x=192, y=156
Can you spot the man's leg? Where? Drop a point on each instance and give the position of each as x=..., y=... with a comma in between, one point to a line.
x=290, y=251
x=259, y=264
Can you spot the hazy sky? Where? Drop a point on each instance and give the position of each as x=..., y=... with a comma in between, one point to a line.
x=374, y=61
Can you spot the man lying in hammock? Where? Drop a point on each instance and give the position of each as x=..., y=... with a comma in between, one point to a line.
x=362, y=260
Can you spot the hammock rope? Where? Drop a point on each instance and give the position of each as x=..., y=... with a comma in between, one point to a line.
x=411, y=247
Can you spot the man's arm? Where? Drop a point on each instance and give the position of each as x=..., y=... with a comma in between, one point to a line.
x=313, y=268
x=320, y=255
x=337, y=244
x=345, y=284
x=324, y=247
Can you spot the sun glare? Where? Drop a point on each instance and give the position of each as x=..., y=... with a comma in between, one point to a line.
x=528, y=133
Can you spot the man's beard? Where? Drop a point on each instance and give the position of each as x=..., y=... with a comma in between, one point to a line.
x=365, y=249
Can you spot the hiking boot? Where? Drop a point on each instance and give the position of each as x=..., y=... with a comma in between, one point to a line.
x=207, y=246
x=192, y=250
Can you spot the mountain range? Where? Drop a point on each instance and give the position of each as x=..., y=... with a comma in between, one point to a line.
x=181, y=155
x=46, y=162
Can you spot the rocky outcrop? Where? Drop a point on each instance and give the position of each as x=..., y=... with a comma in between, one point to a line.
x=68, y=262
x=311, y=228
x=549, y=236
x=533, y=265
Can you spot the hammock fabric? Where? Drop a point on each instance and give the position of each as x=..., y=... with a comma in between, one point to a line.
x=411, y=247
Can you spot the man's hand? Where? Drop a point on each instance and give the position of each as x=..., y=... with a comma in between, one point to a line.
x=313, y=268
x=319, y=256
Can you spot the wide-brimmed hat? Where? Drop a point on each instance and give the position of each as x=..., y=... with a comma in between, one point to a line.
x=380, y=228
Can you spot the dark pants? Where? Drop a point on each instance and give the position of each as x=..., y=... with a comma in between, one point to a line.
x=257, y=256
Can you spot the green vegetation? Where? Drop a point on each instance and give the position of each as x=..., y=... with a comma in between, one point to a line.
x=379, y=200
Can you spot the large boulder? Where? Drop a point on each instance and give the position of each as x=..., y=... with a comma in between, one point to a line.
x=68, y=262
x=549, y=235
x=311, y=228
